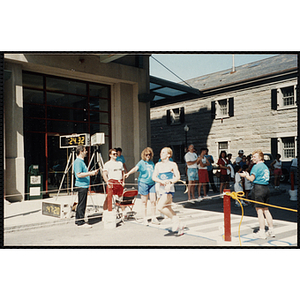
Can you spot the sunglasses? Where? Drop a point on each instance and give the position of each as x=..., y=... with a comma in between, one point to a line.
x=148, y=154
x=115, y=154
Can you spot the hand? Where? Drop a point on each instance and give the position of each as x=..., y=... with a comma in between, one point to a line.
x=126, y=175
x=244, y=174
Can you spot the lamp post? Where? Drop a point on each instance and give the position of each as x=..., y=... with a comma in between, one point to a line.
x=186, y=129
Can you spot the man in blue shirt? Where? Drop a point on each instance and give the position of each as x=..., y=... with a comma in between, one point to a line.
x=260, y=176
x=82, y=183
x=121, y=158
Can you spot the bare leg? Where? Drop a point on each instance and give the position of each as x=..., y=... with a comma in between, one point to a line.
x=204, y=189
x=268, y=217
x=164, y=205
x=221, y=187
x=261, y=218
x=153, y=204
x=144, y=199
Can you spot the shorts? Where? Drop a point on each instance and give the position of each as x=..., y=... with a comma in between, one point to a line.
x=224, y=178
x=192, y=174
x=203, y=176
x=145, y=189
x=278, y=172
x=260, y=193
x=117, y=188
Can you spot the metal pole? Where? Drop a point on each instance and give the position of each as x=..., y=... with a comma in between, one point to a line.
x=227, y=212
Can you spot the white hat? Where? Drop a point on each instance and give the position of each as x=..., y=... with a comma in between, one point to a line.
x=241, y=151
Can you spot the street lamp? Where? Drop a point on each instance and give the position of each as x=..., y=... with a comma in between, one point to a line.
x=186, y=129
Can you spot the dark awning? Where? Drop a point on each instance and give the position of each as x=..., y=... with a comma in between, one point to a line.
x=164, y=91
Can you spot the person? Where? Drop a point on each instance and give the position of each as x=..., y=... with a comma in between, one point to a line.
x=82, y=182
x=238, y=184
x=202, y=164
x=247, y=183
x=276, y=168
x=210, y=160
x=114, y=176
x=239, y=158
x=229, y=156
x=293, y=169
x=121, y=158
x=146, y=186
x=225, y=169
x=260, y=176
x=243, y=161
x=166, y=173
x=192, y=171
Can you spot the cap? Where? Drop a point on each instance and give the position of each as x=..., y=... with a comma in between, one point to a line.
x=241, y=151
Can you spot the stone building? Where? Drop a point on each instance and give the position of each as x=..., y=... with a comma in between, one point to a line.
x=253, y=106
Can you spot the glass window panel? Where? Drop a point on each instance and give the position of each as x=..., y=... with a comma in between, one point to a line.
x=170, y=92
x=34, y=124
x=98, y=117
x=34, y=111
x=99, y=128
x=66, y=100
x=66, y=114
x=99, y=104
x=32, y=80
x=32, y=96
x=98, y=90
x=66, y=85
x=66, y=127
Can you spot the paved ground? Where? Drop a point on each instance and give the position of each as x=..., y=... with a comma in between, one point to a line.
x=25, y=225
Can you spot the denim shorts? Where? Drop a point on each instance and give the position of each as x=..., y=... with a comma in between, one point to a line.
x=145, y=189
x=192, y=174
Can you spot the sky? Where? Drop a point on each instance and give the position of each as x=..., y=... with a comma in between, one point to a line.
x=188, y=66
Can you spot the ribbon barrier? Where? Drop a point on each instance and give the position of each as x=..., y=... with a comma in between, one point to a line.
x=238, y=195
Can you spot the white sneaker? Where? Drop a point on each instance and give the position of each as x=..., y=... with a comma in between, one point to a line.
x=200, y=199
x=271, y=233
x=191, y=201
x=155, y=221
x=260, y=235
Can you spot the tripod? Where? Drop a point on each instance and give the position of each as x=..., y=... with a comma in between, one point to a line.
x=71, y=156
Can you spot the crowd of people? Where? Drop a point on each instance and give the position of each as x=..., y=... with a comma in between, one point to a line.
x=156, y=181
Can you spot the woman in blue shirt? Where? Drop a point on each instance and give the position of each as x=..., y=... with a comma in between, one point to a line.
x=260, y=176
x=146, y=186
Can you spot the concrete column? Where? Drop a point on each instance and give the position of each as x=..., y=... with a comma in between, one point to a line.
x=14, y=135
x=126, y=123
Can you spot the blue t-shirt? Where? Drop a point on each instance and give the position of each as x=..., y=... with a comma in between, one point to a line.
x=261, y=173
x=121, y=159
x=146, y=169
x=80, y=167
x=210, y=167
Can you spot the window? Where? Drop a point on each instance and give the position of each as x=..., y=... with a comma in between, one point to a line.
x=283, y=97
x=288, y=145
x=288, y=96
x=222, y=108
x=223, y=146
x=175, y=116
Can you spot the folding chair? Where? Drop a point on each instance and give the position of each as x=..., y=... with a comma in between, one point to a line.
x=126, y=200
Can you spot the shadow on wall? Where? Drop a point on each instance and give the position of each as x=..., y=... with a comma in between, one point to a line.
x=166, y=134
